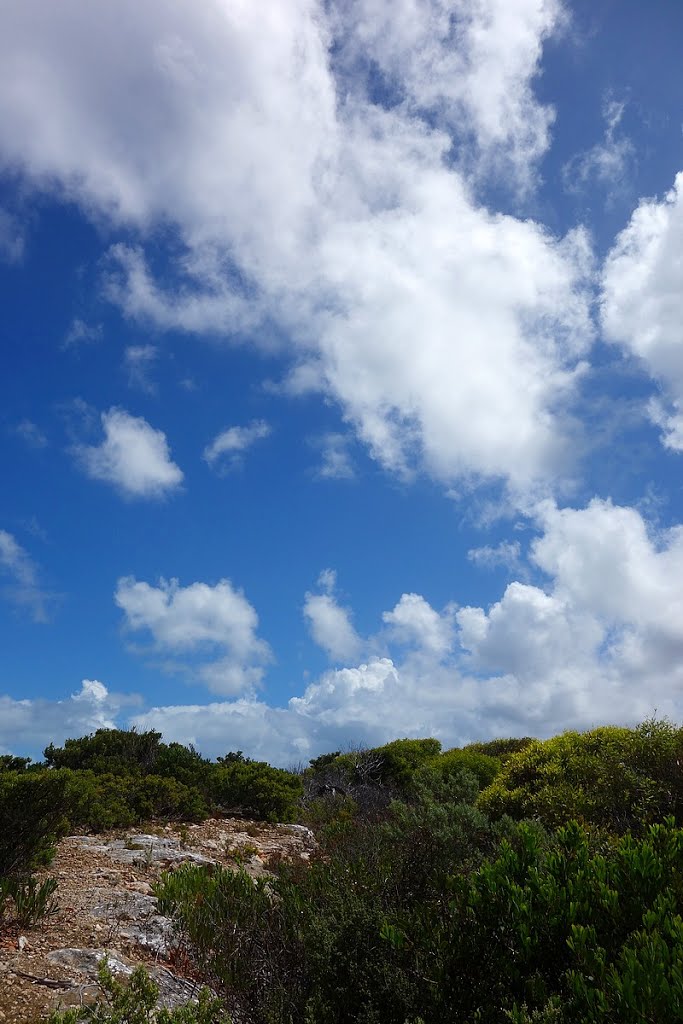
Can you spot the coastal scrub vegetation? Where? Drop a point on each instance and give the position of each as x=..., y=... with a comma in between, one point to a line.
x=516, y=880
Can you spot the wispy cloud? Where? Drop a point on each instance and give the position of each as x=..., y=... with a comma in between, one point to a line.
x=21, y=580
x=506, y=555
x=12, y=238
x=609, y=164
x=336, y=462
x=226, y=451
x=82, y=333
x=31, y=434
x=139, y=361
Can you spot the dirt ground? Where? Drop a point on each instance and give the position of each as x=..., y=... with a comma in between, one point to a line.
x=105, y=907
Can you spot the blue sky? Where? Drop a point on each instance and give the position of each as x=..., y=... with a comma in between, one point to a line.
x=342, y=390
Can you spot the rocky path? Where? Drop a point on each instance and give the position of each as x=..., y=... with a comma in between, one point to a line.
x=106, y=908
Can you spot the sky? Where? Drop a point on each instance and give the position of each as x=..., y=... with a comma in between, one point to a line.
x=341, y=394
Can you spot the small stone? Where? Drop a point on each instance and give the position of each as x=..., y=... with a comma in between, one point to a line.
x=22, y=943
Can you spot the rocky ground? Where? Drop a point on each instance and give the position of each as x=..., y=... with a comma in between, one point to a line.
x=106, y=908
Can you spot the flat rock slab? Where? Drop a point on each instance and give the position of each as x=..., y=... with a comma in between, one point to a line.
x=142, y=850
x=134, y=916
x=173, y=991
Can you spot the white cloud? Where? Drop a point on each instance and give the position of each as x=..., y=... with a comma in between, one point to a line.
x=605, y=639
x=23, y=589
x=609, y=163
x=28, y=726
x=139, y=361
x=470, y=65
x=413, y=620
x=209, y=632
x=81, y=332
x=506, y=554
x=601, y=641
x=134, y=457
x=450, y=335
x=330, y=624
x=226, y=450
x=642, y=301
x=335, y=462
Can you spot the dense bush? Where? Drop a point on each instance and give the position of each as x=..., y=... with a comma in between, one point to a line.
x=33, y=816
x=482, y=766
x=101, y=802
x=429, y=899
x=308, y=946
x=111, y=751
x=255, y=788
x=501, y=748
x=615, y=778
x=407, y=921
x=116, y=778
x=8, y=763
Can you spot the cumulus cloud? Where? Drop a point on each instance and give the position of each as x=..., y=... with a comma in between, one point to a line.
x=208, y=632
x=28, y=726
x=413, y=620
x=604, y=639
x=139, y=361
x=227, y=449
x=134, y=457
x=20, y=579
x=470, y=66
x=642, y=302
x=450, y=335
x=601, y=640
x=330, y=623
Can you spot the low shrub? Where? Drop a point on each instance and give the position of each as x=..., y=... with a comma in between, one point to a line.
x=134, y=1002
x=27, y=901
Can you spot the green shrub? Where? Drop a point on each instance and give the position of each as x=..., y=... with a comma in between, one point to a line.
x=184, y=764
x=155, y=797
x=32, y=900
x=33, y=816
x=8, y=763
x=102, y=802
x=438, y=914
x=110, y=751
x=307, y=946
x=256, y=789
x=482, y=766
x=501, y=748
x=599, y=934
x=615, y=778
